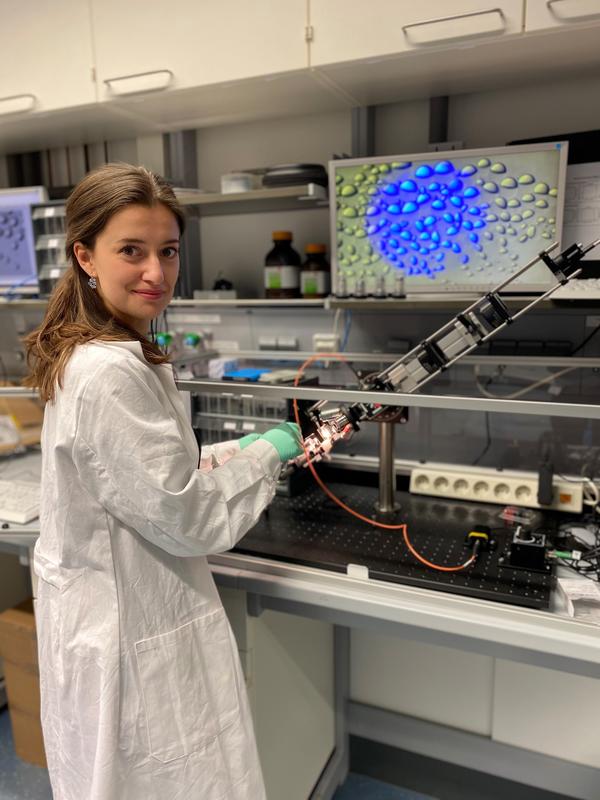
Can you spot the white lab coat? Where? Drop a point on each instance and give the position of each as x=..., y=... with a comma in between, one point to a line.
x=142, y=693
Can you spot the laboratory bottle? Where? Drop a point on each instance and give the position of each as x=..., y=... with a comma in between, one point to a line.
x=282, y=268
x=315, y=275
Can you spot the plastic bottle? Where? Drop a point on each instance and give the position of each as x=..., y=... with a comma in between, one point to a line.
x=282, y=268
x=315, y=276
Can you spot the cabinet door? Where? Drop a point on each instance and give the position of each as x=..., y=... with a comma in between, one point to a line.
x=146, y=45
x=45, y=56
x=542, y=14
x=547, y=711
x=346, y=30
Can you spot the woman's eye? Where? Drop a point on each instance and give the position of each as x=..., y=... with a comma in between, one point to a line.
x=170, y=252
x=129, y=250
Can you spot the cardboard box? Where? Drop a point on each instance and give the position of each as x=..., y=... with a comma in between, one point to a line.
x=18, y=648
x=27, y=415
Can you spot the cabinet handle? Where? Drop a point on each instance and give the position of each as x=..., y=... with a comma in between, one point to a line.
x=409, y=30
x=579, y=6
x=17, y=103
x=152, y=81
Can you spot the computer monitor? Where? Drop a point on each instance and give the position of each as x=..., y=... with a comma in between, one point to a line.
x=18, y=268
x=457, y=221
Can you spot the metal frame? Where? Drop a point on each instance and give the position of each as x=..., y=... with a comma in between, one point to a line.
x=473, y=751
x=494, y=629
x=181, y=166
x=383, y=358
x=524, y=635
x=337, y=768
x=448, y=402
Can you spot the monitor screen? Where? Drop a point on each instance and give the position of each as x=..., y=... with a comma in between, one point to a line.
x=18, y=269
x=458, y=221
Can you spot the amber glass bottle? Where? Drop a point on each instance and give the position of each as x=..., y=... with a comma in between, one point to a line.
x=282, y=268
x=315, y=273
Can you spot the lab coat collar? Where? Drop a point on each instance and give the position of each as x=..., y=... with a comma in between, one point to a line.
x=134, y=347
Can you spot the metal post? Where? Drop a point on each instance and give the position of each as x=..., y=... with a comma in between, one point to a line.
x=181, y=168
x=438, y=119
x=363, y=131
x=387, y=471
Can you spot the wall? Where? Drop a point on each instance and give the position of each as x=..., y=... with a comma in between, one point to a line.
x=491, y=118
x=494, y=117
x=235, y=245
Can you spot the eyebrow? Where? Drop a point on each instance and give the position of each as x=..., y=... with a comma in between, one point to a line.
x=143, y=241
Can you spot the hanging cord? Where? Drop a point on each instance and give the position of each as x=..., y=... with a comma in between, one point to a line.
x=520, y=392
x=402, y=526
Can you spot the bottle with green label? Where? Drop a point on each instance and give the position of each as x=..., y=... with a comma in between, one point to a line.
x=315, y=274
x=282, y=268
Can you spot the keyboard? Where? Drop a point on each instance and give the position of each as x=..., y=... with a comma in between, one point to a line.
x=19, y=501
x=579, y=289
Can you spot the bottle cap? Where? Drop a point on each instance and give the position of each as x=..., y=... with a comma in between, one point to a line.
x=282, y=236
x=315, y=248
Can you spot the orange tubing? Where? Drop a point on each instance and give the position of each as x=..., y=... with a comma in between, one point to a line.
x=402, y=526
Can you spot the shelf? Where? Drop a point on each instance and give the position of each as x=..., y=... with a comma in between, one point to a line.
x=286, y=198
x=299, y=302
x=422, y=302
x=434, y=302
x=489, y=360
x=249, y=303
x=34, y=302
x=460, y=403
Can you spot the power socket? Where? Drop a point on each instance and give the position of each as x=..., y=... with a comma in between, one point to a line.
x=503, y=488
x=326, y=342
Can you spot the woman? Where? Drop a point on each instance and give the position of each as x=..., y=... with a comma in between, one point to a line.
x=141, y=687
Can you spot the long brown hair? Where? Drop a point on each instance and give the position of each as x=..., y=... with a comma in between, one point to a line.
x=75, y=312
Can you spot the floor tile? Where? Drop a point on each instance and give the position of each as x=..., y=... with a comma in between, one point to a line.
x=359, y=787
x=19, y=780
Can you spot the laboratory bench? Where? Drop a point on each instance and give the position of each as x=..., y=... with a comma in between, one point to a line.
x=308, y=557
x=308, y=579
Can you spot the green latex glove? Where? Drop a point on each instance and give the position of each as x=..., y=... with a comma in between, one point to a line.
x=285, y=438
x=248, y=439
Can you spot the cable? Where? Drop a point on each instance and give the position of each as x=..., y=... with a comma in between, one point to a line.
x=488, y=431
x=520, y=392
x=402, y=526
x=488, y=443
x=346, y=330
x=336, y=319
x=586, y=340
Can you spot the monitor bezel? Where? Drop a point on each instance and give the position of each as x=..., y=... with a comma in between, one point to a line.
x=521, y=287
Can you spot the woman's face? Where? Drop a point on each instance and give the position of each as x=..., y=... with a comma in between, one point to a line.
x=135, y=261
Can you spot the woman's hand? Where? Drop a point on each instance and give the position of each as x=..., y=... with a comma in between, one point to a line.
x=285, y=438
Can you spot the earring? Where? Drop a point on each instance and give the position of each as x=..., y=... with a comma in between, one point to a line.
x=92, y=282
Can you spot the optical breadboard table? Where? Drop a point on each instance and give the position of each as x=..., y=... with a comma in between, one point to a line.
x=312, y=530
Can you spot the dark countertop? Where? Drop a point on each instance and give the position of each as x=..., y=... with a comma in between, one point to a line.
x=311, y=529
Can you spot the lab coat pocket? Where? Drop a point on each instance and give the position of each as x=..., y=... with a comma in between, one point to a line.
x=189, y=685
x=57, y=576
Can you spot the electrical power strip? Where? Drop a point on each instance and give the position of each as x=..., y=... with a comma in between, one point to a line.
x=502, y=488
